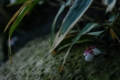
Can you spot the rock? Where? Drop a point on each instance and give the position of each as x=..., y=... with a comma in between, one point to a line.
x=34, y=62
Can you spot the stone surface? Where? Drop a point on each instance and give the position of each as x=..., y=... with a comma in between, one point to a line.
x=34, y=62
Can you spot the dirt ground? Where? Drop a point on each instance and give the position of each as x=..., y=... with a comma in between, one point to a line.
x=34, y=62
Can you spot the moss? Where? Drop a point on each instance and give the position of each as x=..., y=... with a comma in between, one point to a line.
x=33, y=62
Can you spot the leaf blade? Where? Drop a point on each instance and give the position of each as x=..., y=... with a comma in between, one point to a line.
x=19, y=18
x=70, y=21
x=86, y=29
x=16, y=14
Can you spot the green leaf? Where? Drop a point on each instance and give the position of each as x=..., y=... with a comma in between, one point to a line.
x=23, y=1
x=86, y=37
x=95, y=33
x=74, y=14
x=56, y=17
x=86, y=29
x=54, y=22
x=17, y=13
x=18, y=19
x=18, y=16
x=35, y=2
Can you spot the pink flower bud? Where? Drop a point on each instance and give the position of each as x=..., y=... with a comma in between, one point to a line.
x=88, y=50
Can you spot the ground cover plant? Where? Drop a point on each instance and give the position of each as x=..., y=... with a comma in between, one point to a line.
x=86, y=20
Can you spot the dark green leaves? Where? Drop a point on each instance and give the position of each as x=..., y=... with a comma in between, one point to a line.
x=86, y=29
x=74, y=14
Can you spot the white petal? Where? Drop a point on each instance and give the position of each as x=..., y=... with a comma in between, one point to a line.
x=96, y=51
x=89, y=57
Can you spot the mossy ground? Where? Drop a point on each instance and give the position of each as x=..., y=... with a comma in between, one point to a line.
x=34, y=62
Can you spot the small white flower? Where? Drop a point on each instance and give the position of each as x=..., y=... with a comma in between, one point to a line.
x=90, y=52
x=89, y=57
x=96, y=51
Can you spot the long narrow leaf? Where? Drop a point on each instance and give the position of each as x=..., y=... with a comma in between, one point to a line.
x=54, y=22
x=19, y=18
x=95, y=33
x=74, y=14
x=16, y=14
x=86, y=29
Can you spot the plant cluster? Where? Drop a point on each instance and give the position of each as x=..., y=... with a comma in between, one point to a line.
x=85, y=20
x=106, y=23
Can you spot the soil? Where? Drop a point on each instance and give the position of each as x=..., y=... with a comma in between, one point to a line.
x=34, y=62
